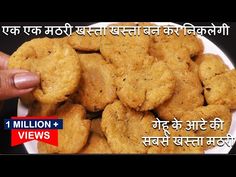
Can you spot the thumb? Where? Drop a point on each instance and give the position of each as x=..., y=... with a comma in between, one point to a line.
x=15, y=82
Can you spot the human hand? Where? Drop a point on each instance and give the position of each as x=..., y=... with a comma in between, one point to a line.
x=15, y=82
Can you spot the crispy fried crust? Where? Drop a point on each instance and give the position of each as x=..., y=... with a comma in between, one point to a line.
x=221, y=90
x=97, y=87
x=146, y=88
x=124, y=128
x=218, y=80
x=56, y=63
x=125, y=52
x=187, y=96
x=176, y=53
x=191, y=43
x=210, y=65
x=75, y=132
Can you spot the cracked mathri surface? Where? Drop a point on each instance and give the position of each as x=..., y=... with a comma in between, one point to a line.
x=97, y=85
x=125, y=52
x=191, y=43
x=176, y=52
x=218, y=80
x=210, y=65
x=124, y=128
x=146, y=88
x=55, y=62
x=221, y=90
x=187, y=96
x=73, y=137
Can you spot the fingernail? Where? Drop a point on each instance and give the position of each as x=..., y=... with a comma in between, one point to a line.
x=26, y=80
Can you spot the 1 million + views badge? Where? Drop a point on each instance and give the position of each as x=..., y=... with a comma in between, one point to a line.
x=24, y=129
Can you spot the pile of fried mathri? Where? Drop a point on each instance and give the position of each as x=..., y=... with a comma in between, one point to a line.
x=109, y=89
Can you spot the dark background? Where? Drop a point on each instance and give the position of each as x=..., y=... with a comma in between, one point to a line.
x=9, y=44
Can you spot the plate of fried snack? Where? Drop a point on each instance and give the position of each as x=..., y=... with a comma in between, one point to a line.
x=110, y=89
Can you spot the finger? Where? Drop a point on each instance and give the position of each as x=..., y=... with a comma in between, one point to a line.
x=3, y=60
x=14, y=83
